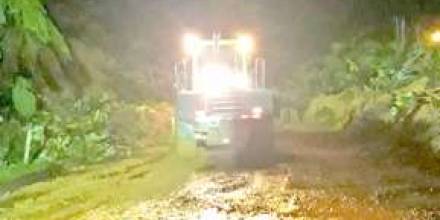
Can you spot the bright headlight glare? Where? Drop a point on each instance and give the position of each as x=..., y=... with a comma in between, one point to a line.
x=201, y=117
x=216, y=79
x=245, y=44
x=241, y=82
x=200, y=114
x=435, y=37
x=257, y=112
x=191, y=44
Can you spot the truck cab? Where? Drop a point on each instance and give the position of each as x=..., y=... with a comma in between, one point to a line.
x=221, y=94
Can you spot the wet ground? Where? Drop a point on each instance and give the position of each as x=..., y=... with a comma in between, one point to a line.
x=313, y=176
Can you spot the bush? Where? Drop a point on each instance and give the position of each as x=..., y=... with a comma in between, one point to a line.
x=334, y=112
x=135, y=127
x=372, y=84
x=12, y=141
x=77, y=131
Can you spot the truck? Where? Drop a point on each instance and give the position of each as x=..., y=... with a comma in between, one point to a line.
x=221, y=96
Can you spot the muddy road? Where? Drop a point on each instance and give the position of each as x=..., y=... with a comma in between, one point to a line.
x=313, y=176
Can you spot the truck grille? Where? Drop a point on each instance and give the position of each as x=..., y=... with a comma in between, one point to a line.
x=226, y=105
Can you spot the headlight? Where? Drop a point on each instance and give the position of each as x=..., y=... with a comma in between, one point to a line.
x=191, y=44
x=245, y=44
x=257, y=112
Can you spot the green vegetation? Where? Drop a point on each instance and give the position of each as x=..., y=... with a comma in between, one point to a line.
x=375, y=83
x=113, y=148
x=33, y=52
x=53, y=115
x=140, y=148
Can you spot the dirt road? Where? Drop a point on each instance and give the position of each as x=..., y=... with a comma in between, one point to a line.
x=316, y=177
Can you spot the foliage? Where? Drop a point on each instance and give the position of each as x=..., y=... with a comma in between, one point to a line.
x=35, y=57
x=370, y=64
x=23, y=98
x=140, y=133
x=334, y=112
x=417, y=113
x=135, y=127
x=388, y=80
x=406, y=100
x=80, y=134
x=11, y=141
x=30, y=43
x=75, y=131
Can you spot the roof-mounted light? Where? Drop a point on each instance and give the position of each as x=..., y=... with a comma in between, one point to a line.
x=245, y=44
x=191, y=44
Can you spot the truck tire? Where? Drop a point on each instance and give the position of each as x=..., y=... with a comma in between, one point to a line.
x=255, y=145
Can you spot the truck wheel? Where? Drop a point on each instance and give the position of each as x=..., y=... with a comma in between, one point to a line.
x=255, y=149
x=262, y=137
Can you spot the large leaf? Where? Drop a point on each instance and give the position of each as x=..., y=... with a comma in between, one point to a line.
x=23, y=98
x=26, y=34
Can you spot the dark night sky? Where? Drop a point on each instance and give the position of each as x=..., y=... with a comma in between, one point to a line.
x=145, y=33
x=289, y=30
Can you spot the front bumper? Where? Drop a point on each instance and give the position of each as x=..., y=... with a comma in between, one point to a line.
x=219, y=133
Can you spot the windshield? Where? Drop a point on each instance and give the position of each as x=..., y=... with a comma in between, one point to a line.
x=224, y=56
